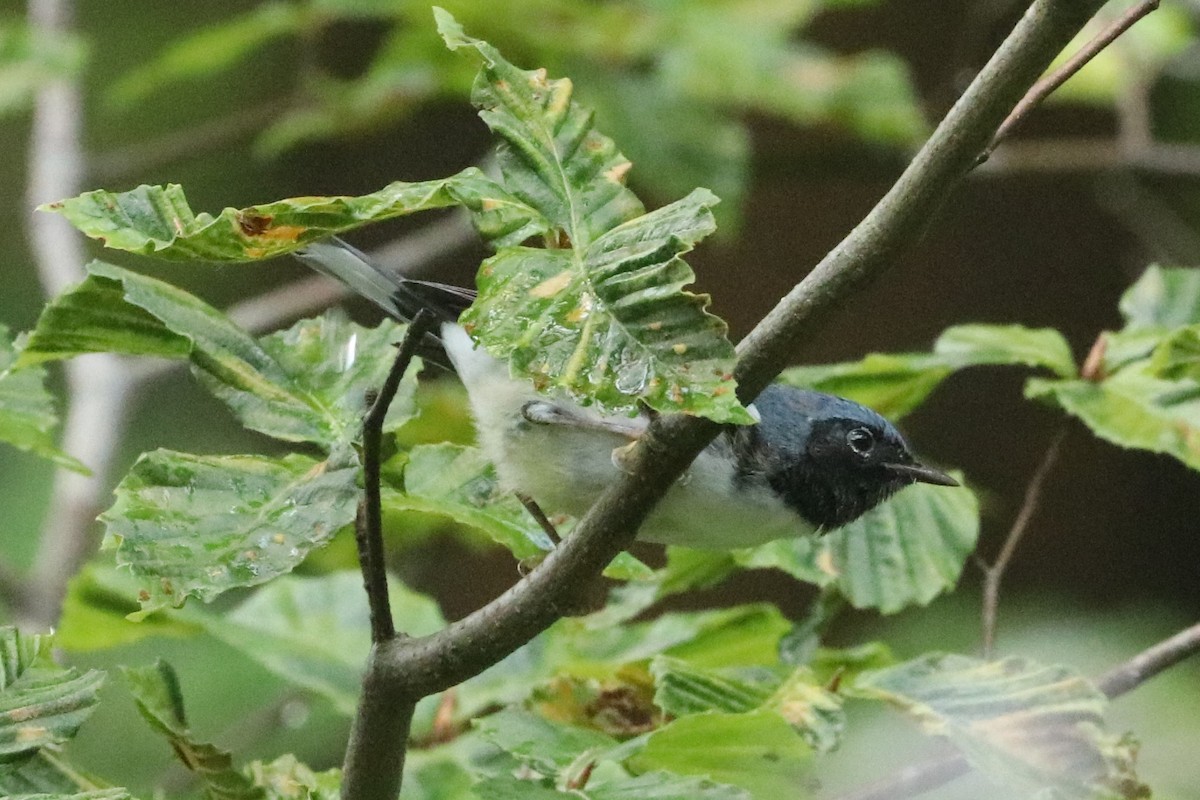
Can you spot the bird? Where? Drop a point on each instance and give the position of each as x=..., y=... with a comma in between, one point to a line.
x=812, y=463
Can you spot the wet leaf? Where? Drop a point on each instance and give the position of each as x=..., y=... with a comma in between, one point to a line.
x=903, y=552
x=27, y=415
x=1026, y=725
x=600, y=312
x=156, y=690
x=41, y=703
x=196, y=526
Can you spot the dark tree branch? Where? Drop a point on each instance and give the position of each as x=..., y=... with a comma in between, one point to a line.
x=368, y=527
x=899, y=219
x=402, y=670
x=994, y=574
x=1046, y=86
x=939, y=770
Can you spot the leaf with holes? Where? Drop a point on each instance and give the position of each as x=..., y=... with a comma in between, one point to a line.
x=197, y=526
x=552, y=159
x=903, y=552
x=600, y=311
x=27, y=416
x=41, y=703
x=156, y=691
x=1026, y=725
x=612, y=324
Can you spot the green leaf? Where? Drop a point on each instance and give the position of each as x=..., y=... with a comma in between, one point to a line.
x=47, y=774
x=156, y=220
x=611, y=324
x=197, y=526
x=815, y=713
x=209, y=51
x=903, y=552
x=548, y=747
x=156, y=690
x=1162, y=298
x=554, y=161
x=27, y=416
x=286, y=778
x=758, y=751
x=601, y=312
x=307, y=383
x=96, y=609
x=456, y=481
x=895, y=384
x=664, y=786
x=1132, y=409
x=971, y=345
x=1026, y=725
x=316, y=632
x=1177, y=356
x=650, y=786
x=41, y=704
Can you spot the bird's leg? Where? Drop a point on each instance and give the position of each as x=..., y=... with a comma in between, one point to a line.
x=539, y=516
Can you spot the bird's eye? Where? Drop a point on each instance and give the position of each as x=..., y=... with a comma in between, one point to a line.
x=860, y=440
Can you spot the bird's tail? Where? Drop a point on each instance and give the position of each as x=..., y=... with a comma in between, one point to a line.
x=398, y=296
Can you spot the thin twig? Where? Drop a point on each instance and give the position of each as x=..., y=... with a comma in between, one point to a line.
x=940, y=769
x=1046, y=86
x=994, y=574
x=1150, y=662
x=403, y=670
x=368, y=527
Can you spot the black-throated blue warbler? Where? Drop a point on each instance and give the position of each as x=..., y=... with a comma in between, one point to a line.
x=813, y=463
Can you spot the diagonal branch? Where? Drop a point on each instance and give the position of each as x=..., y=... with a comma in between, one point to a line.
x=402, y=671
x=1047, y=85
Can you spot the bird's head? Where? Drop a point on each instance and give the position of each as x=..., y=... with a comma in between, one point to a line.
x=831, y=459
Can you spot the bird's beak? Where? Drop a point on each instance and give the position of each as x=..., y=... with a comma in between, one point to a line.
x=923, y=474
